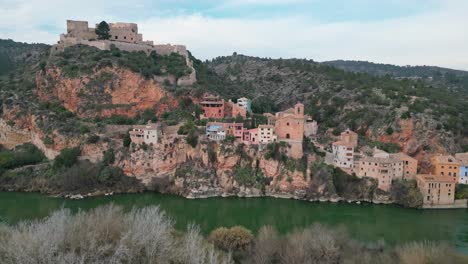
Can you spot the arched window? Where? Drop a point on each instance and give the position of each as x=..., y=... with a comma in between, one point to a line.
x=287, y=135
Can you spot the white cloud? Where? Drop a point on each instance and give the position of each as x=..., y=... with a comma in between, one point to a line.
x=437, y=37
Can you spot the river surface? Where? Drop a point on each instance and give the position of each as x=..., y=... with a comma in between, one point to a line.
x=366, y=222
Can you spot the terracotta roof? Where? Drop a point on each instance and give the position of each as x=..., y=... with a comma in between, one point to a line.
x=151, y=126
x=265, y=126
x=289, y=111
x=446, y=159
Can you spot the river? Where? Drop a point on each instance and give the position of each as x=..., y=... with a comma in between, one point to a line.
x=366, y=222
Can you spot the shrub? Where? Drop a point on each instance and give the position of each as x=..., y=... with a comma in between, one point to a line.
x=108, y=157
x=406, y=193
x=127, y=140
x=192, y=138
x=26, y=154
x=93, y=139
x=67, y=157
x=231, y=239
x=461, y=191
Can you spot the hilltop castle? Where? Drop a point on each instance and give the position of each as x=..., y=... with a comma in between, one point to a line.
x=124, y=36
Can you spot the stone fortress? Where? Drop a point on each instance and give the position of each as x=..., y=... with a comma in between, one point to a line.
x=124, y=36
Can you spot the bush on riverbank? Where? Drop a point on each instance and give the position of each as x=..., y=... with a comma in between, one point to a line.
x=110, y=235
x=406, y=193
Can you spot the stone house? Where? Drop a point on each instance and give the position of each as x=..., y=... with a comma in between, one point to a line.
x=436, y=190
x=310, y=127
x=384, y=170
x=463, y=160
x=350, y=137
x=410, y=165
x=446, y=166
x=253, y=137
x=147, y=134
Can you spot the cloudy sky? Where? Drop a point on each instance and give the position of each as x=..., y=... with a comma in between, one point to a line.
x=403, y=32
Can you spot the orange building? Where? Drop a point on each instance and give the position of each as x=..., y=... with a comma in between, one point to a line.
x=446, y=166
x=436, y=190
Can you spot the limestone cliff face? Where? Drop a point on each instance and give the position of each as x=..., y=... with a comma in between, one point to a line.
x=419, y=142
x=105, y=92
x=176, y=167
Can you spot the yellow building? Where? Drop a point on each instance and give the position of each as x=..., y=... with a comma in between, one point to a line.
x=446, y=166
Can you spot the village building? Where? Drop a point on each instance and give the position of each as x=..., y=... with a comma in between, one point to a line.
x=436, y=190
x=350, y=137
x=463, y=160
x=215, y=131
x=410, y=165
x=147, y=134
x=343, y=154
x=289, y=128
x=266, y=134
x=233, y=110
x=384, y=170
x=343, y=150
x=310, y=127
x=245, y=103
x=216, y=108
x=213, y=107
x=446, y=166
x=234, y=129
x=253, y=137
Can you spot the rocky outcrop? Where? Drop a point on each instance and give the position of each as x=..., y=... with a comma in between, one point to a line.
x=105, y=92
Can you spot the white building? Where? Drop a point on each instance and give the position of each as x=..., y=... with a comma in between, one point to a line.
x=146, y=133
x=215, y=131
x=244, y=103
x=343, y=154
x=266, y=134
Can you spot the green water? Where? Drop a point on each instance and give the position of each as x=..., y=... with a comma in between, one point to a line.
x=365, y=222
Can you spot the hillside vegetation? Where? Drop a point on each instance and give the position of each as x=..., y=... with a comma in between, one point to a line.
x=337, y=99
x=438, y=76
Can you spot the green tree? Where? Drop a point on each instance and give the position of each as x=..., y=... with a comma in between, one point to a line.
x=67, y=157
x=102, y=30
x=127, y=140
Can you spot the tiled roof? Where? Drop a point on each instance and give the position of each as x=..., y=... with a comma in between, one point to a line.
x=462, y=158
x=446, y=159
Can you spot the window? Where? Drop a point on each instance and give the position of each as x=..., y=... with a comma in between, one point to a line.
x=287, y=124
x=116, y=37
x=287, y=135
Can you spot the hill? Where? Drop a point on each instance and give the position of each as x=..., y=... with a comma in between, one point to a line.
x=419, y=117
x=433, y=75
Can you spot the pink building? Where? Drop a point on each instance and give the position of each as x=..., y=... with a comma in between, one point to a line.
x=213, y=107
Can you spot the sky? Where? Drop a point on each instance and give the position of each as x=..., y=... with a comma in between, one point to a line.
x=402, y=32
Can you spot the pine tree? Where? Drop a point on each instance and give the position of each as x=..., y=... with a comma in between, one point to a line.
x=102, y=30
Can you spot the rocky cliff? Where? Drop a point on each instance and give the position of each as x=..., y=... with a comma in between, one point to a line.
x=105, y=92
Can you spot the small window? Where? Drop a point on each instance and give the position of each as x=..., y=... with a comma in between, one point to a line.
x=116, y=37
x=125, y=37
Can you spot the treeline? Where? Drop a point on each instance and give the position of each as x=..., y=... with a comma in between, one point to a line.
x=111, y=235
